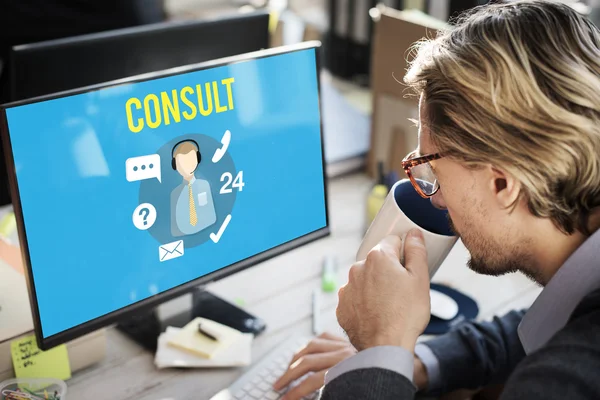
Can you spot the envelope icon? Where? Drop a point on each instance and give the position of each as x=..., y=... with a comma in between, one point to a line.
x=170, y=250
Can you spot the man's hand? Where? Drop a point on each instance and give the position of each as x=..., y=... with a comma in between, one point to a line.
x=317, y=357
x=385, y=303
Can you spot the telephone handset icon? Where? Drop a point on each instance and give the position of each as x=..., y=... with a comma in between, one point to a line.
x=220, y=152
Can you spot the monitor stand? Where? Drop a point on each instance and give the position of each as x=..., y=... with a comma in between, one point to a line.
x=145, y=327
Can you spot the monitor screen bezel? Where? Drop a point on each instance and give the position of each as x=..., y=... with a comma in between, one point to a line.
x=109, y=319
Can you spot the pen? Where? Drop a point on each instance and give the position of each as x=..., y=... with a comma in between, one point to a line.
x=316, y=309
x=206, y=333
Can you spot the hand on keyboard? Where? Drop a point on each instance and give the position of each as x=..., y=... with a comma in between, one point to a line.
x=306, y=370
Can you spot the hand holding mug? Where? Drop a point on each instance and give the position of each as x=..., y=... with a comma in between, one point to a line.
x=385, y=302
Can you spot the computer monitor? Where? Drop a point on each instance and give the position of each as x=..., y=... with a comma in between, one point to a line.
x=133, y=192
x=63, y=64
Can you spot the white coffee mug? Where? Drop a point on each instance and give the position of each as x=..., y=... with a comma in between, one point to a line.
x=403, y=210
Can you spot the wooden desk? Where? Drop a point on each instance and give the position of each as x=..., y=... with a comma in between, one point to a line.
x=279, y=291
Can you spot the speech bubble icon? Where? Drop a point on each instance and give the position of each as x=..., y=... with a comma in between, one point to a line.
x=143, y=167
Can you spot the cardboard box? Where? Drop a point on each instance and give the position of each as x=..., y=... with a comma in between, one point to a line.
x=276, y=33
x=289, y=28
x=311, y=32
x=395, y=32
x=400, y=147
x=393, y=135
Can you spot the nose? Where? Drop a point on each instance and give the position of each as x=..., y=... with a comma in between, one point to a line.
x=438, y=200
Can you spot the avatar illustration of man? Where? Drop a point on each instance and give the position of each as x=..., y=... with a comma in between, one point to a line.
x=192, y=206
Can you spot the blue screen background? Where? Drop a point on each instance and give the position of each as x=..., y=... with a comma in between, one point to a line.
x=87, y=257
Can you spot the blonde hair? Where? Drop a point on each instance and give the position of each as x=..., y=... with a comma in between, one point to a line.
x=184, y=148
x=517, y=85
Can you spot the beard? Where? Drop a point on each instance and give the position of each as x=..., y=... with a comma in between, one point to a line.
x=488, y=257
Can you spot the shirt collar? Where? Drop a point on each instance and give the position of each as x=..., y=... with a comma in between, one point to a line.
x=550, y=312
x=191, y=182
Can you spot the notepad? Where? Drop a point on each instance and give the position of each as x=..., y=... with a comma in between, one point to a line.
x=31, y=362
x=189, y=339
x=238, y=354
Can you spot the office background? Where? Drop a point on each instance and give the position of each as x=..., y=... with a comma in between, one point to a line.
x=362, y=128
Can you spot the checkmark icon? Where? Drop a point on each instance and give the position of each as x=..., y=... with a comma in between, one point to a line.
x=215, y=237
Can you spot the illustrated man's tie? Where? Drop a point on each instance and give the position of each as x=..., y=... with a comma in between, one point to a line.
x=193, y=216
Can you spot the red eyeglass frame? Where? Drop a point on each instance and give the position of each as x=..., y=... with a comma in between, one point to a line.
x=408, y=163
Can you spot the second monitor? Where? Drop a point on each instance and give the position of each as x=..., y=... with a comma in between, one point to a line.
x=64, y=64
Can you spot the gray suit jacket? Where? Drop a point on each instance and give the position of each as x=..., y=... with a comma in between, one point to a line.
x=565, y=368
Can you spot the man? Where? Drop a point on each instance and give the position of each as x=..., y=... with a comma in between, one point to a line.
x=192, y=206
x=510, y=119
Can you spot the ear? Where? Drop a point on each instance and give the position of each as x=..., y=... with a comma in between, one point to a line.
x=504, y=186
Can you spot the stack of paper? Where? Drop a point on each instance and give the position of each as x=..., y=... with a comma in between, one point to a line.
x=186, y=347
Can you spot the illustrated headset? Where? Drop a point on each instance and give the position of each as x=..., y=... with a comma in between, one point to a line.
x=198, y=155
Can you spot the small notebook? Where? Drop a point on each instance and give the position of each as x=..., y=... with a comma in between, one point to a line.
x=239, y=353
x=190, y=340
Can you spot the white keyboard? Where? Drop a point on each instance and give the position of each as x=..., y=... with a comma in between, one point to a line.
x=257, y=382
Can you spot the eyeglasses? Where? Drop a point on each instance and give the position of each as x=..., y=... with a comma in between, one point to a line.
x=421, y=174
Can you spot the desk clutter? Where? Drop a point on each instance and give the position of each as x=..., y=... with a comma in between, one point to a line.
x=203, y=343
x=39, y=374
x=33, y=389
x=31, y=362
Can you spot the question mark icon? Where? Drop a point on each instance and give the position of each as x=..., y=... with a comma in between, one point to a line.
x=144, y=216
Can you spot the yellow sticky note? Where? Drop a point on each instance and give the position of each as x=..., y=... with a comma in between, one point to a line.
x=190, y=340
x=31, y=362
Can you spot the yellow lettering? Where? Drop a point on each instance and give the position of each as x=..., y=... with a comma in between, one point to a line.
x=192, y=114
x=169, y=107
x=218, y=107
x=164, y=107
x=209, y=107
x=134, y=128
x=227, y=82
x=153, y=98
